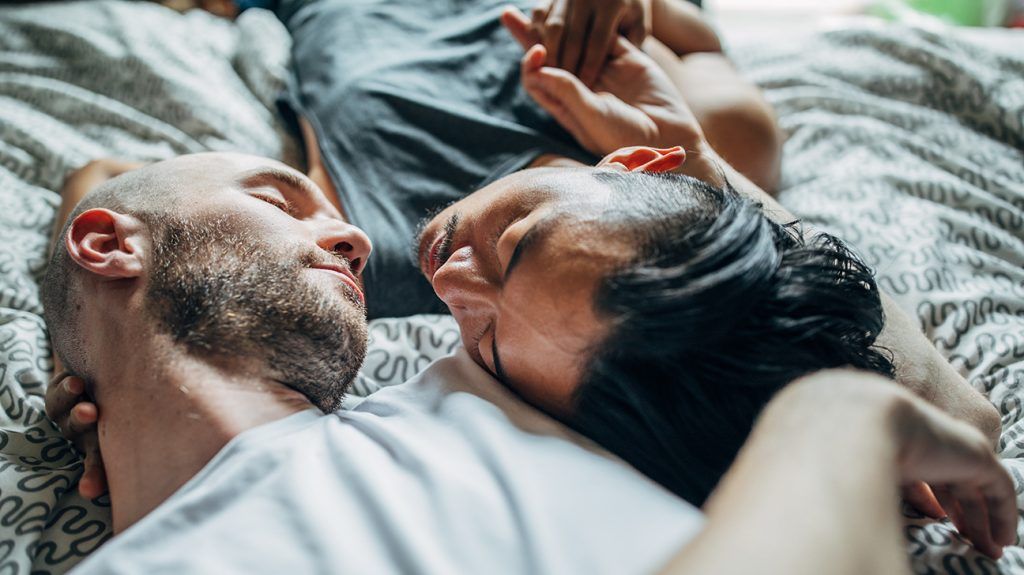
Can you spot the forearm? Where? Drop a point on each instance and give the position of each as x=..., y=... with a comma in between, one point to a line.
x=919, y=366
x=922, y=369
x=734, y=115
x=838, y=518
x=680, y=26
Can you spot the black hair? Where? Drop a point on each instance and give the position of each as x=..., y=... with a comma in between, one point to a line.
x=719, y=309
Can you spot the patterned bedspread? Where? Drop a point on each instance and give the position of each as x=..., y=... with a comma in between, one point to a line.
x=909, y=144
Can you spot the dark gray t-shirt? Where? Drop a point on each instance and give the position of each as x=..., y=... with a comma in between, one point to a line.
x=416, y=103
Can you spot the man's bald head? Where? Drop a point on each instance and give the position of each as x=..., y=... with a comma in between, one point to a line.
x=228, y=254
x=141, y=193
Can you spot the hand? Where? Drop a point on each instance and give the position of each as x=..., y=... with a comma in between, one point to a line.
x=968, y=482
x=579, y=35
x=633, y=102
x=831, y=411
x=933, y=502
x=76, y=416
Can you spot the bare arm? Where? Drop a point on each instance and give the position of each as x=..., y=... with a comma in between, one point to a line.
x=842, y=518
x=680, y=25
x=919, y=366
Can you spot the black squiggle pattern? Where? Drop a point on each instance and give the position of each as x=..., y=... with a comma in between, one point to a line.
x=910, y=145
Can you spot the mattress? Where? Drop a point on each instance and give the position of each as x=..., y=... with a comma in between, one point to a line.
x=908, y=143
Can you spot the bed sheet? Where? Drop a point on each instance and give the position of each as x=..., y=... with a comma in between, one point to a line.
x=907, y=143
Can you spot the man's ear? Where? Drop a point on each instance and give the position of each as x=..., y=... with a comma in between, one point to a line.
x=644, y=159
x=107, y=243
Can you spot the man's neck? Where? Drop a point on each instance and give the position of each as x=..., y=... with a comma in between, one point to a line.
x=162, y=421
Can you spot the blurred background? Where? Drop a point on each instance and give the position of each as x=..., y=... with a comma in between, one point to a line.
x=743, y=18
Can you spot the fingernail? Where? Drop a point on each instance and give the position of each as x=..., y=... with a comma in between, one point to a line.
x=75, y=385
x=58, y=377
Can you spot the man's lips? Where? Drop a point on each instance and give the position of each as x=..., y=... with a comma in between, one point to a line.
x=345, y=275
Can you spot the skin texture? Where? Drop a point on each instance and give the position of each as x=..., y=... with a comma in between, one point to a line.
x=542, y=334
x=580, y=34
x=183, y=407
x=838, y=518
x=734, y=116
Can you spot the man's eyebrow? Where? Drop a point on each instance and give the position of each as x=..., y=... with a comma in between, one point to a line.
x=532, y=237
x=288, y=178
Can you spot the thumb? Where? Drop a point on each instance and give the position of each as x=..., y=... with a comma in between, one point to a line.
x=919, y=495
x=561, y=94
x=520, y=27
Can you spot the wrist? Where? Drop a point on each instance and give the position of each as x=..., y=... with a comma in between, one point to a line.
x=832, y=414
x=823, y=448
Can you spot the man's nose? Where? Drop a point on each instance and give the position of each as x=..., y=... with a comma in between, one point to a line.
x=463, y=287
x=346, y=240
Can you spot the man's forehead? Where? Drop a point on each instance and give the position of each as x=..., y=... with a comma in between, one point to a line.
x=577, y=184
x=215, y=168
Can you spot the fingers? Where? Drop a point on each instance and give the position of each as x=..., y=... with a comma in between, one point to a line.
x=62, y=394
x=93, y=482
x=574, y=38
x=599, y=45
x=966, y=477
x=950, y=505
x=921, y=498
x=983, y=510
x=976, y=526
x=520, y=27
x=560, y=93
x=531, y=66
x=83, y=418
x=621, y=46
x=579, y=36
x=1000, y=499
x=636, y=34
x=76, y=417
x=539, y=14
x=554, y=30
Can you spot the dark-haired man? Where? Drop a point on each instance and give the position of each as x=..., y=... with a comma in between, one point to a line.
x=658, y=316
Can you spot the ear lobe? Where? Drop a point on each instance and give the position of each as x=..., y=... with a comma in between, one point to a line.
x=644, y=159
x=106, y=243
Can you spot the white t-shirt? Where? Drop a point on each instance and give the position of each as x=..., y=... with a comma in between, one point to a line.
x=448, y=473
